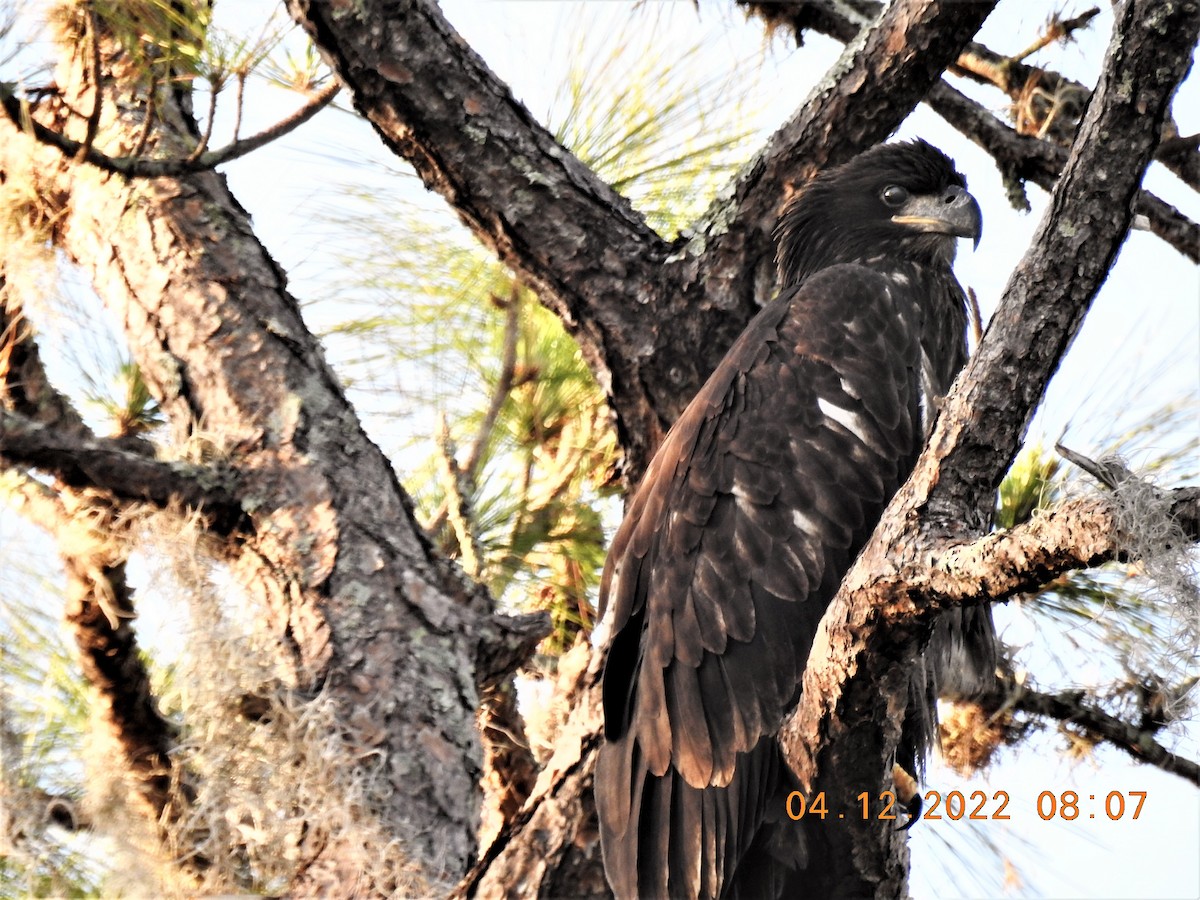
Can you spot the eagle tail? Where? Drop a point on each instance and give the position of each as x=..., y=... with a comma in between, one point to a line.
x=663, y=838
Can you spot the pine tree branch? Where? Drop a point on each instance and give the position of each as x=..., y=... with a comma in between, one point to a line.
x=458, y=506
x=1014, y=78
x=100, y=609
x=1079, y=534
x=1058, y=29
x=82, y=461
x=1021, y=157
x=1072, y=252
x=1018, y=156
x=469, y=468
x=138, y=166
x=1073, y=708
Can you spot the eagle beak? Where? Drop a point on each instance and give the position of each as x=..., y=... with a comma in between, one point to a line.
x=952, y=212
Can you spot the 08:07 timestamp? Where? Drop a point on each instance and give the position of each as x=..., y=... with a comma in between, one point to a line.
x=977, y=806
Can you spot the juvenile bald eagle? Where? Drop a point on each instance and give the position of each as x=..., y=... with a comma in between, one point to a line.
x=752, y=511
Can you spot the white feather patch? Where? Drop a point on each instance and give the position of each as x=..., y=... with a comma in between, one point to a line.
x=806, y=524
x=928, y=395
x=852, y=422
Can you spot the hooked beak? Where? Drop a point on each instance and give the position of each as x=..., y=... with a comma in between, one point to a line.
x=953, y=212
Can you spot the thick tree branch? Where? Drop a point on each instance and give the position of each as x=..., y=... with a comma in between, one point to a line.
x=571, y=237
x=842, y=20
x=1018, y=156
x=845, y=728
x=136, y=165
x=81, y=461
x=888, y=66
x=1079, y=534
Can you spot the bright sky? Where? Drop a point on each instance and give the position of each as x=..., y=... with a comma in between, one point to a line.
x=1139, y=348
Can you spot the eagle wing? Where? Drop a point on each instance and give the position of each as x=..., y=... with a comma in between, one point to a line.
x=748, y=517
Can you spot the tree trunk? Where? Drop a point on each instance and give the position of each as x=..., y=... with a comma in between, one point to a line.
x=360, y=605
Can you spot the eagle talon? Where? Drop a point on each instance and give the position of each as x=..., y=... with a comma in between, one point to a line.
x=907, y=795
x=913, y=807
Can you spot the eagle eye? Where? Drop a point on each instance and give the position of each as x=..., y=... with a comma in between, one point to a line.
x=894, y=195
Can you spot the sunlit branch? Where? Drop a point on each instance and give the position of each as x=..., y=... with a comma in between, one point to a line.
x=1017, y=155
x=83, y=461
x=1071, y=707
x=141, y=167
x=1079, y=534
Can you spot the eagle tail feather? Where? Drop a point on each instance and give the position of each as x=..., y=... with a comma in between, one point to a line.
x=672, y=840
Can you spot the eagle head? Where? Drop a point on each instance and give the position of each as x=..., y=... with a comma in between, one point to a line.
x=904, y=200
